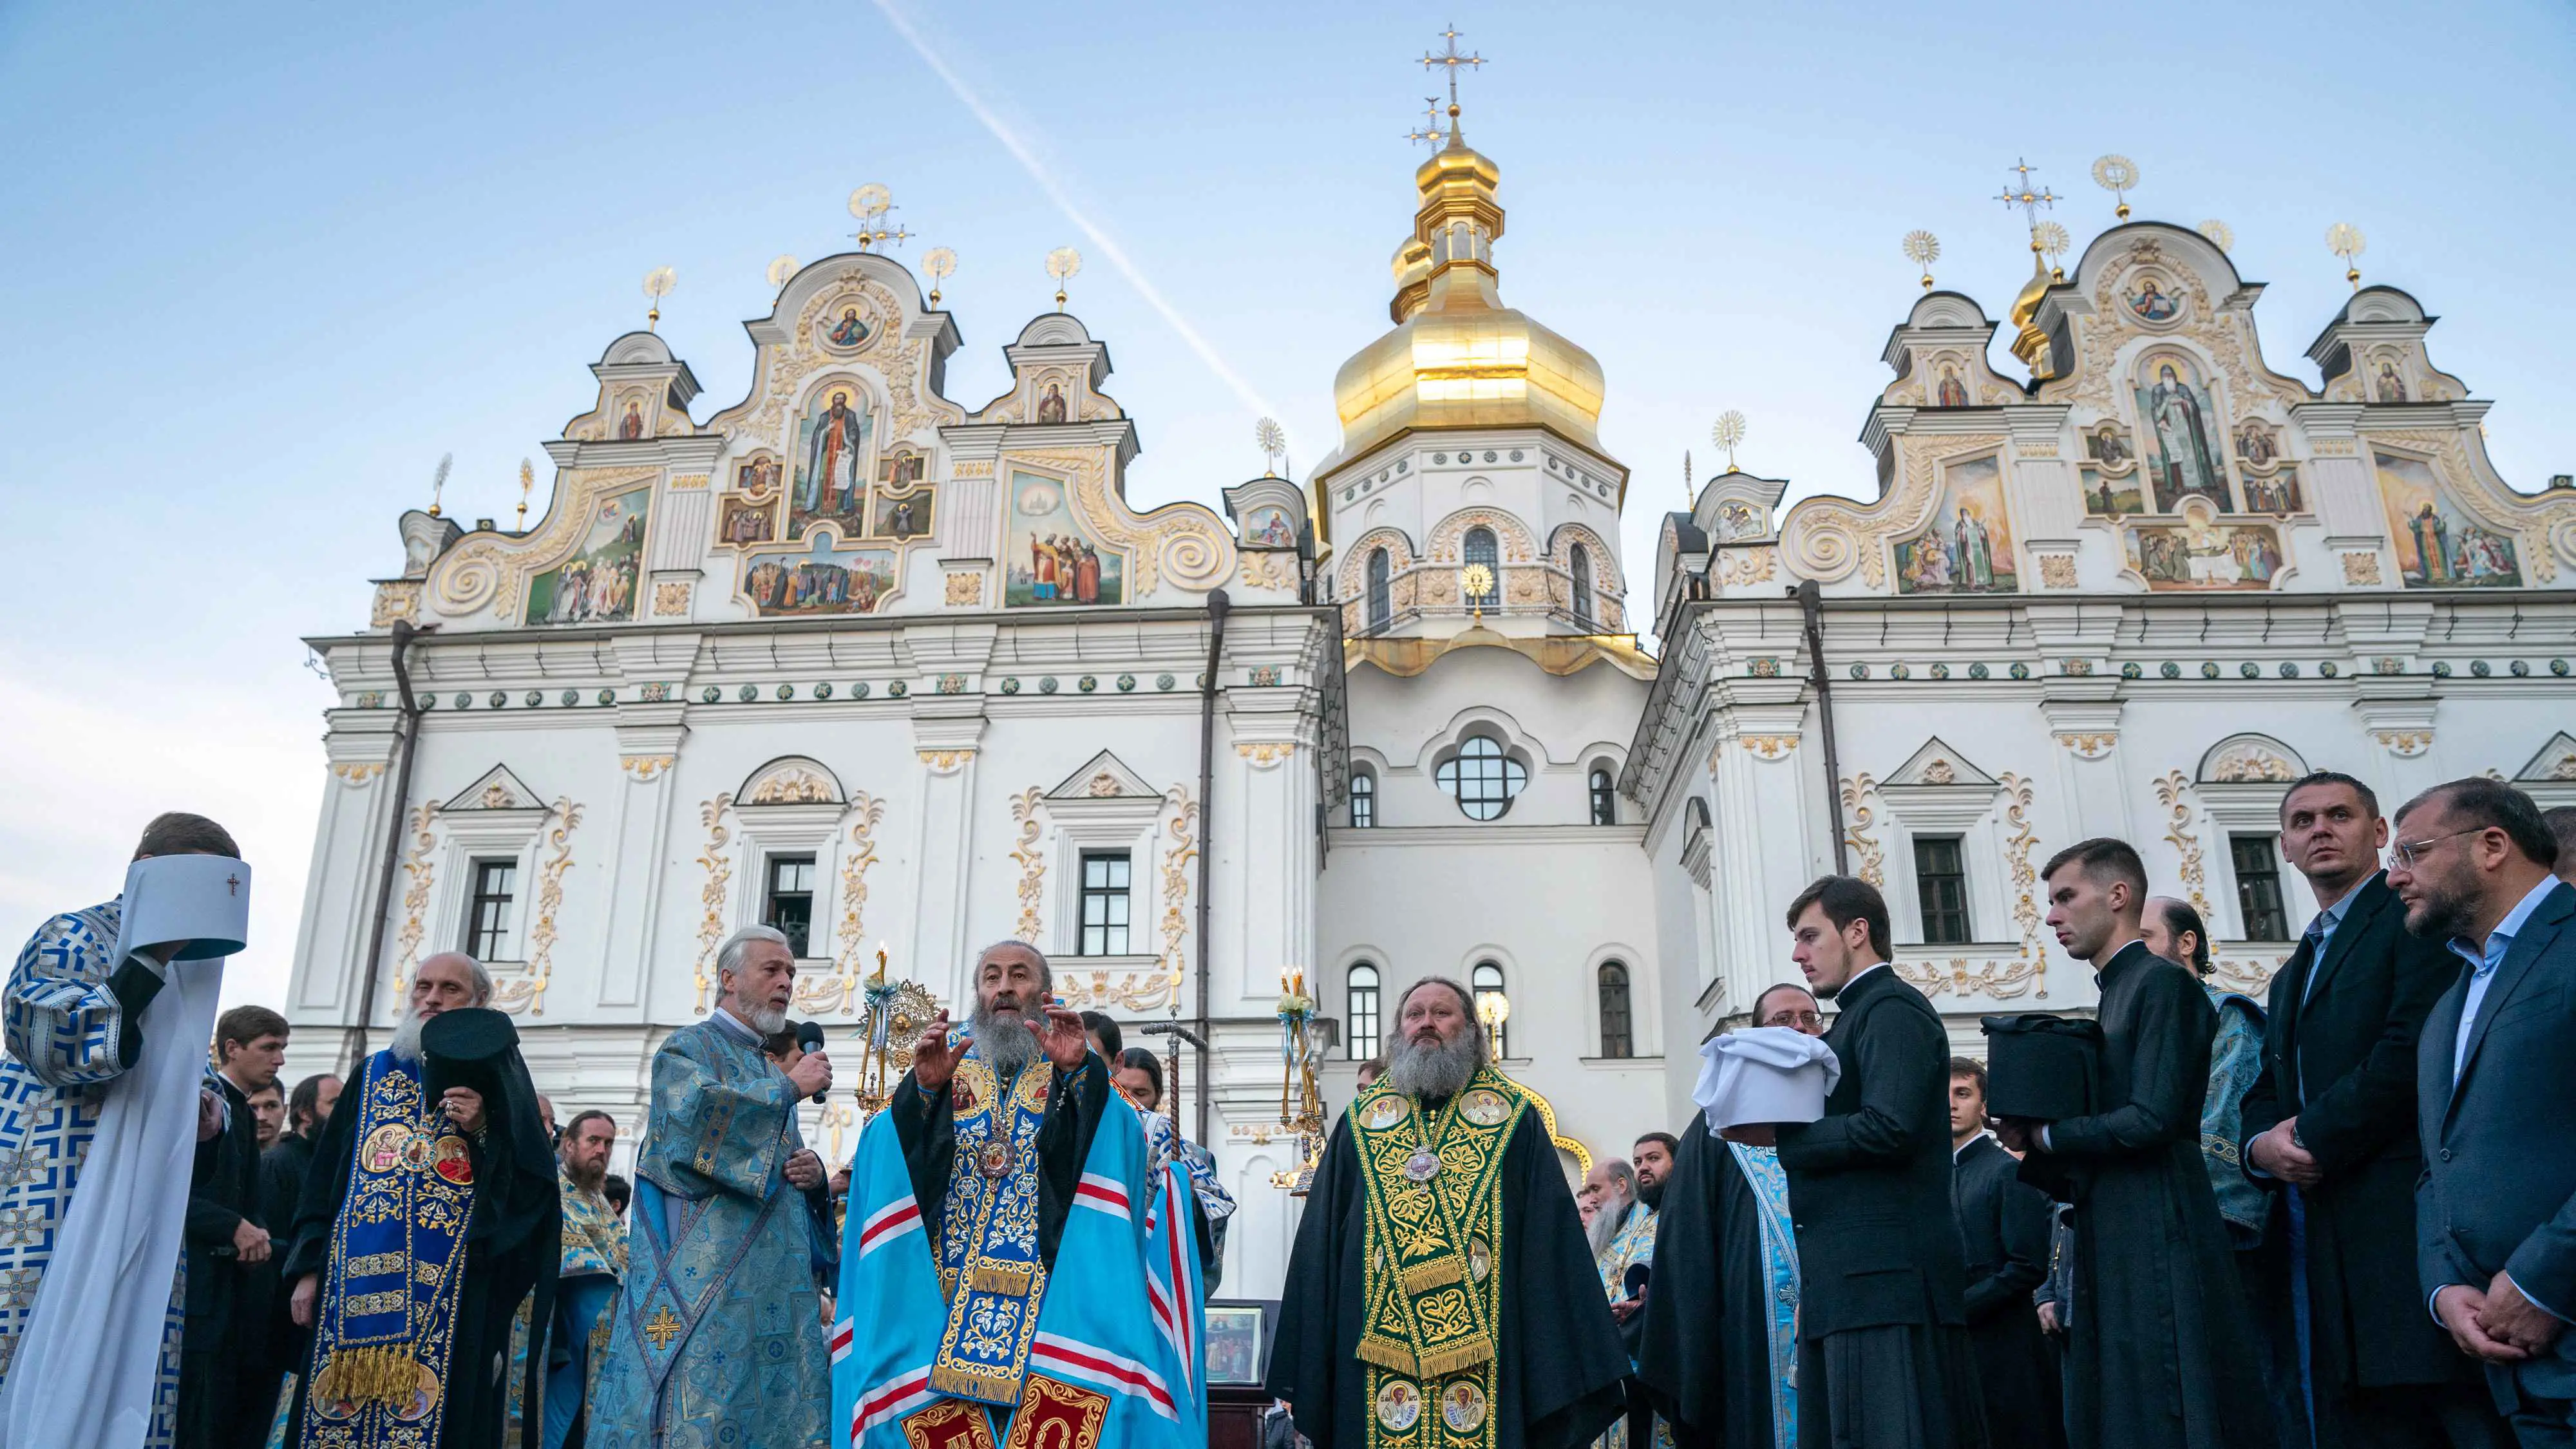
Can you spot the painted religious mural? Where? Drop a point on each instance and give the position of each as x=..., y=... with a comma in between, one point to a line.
x=597, y=585
x=2438, y=547
x=2271, y=481
x=1269, y=527
x=1049, y=557
x=2202, y=553
x=749, y=514
x=831, y=463
x=1968, y=547
x=2113, y=487
x=2180, y=433
x=825, y=576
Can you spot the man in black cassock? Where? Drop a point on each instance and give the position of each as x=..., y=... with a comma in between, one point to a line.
x=1707, y=1355
x=1883, y=1354
x=1487, y=1327
x=2159, y=1349
x=512, y=1235
x=2003, y=1225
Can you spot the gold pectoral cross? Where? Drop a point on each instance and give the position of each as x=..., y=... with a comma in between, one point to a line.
x=662, y=1327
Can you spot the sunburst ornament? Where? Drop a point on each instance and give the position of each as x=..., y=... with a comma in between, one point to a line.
x=2346, y=241
x=1477, y=581
x=527, y=485
x=781, y=267
x=438, y=481
x=2220, y=234
x=2052, y=239
x=938, y=264
x=657, y=285
x=1063, y=264
x=871, y=201
x=1922, y=248
x=1727, y=434
x=1272, y=439
x=2118, y=175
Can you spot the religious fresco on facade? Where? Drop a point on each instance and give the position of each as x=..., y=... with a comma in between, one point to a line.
x=2438, y=547
x=844, y=328
x=1269, y=527
x=2274, y=492
x=825, y=577
x=597, y=585
x=901, y=518
x=831, y=450
x=748, y=520
x=1947, y=390
x=1968, y=547
x=756, y=474
x=1049, y=557
x=2180, y=430
x=2386, y=385
x=2151, y=302
x=2201, y=553
x=2110, y=474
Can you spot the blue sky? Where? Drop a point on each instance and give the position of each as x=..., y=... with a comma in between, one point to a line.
x=261, y=265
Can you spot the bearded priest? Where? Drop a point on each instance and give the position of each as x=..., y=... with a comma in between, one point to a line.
x=1441, y=1294
x=718, y=1335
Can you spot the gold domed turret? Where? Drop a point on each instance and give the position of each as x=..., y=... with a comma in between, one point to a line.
x=2029, y=343
x=1458, y=358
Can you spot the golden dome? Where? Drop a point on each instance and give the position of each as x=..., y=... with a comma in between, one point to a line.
x=1459, y=358
x=2029, y=343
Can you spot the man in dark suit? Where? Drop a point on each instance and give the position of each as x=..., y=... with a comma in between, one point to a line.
x=2330, y=1125
x=1883, y=1356
x=2004, y=1225
x=2495, y=1215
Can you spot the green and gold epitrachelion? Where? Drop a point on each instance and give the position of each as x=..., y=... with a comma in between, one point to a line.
x=1431, y=1260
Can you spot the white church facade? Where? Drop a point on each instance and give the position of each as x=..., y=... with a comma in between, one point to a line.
x=899, y=673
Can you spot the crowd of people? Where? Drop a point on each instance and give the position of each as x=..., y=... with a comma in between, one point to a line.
x=2344, y=1214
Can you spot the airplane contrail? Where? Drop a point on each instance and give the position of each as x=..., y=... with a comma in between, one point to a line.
x=1098, y=238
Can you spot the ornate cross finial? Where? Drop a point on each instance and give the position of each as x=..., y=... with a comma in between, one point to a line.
x=869, y=204
x=1452, y=59
x=2028, y=200
x=1430, y=135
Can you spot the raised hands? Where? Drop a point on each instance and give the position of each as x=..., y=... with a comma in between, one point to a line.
x=934, y=1061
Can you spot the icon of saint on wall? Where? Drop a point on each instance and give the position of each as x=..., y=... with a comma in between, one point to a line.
x=632, y=425
x=851, y=330
x=1051, y=406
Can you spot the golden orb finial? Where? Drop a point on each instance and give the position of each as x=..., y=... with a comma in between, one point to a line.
x=527, y=484
x=657, y=285
x=2346, y=241
x=1922, y=248
x=2118, y=175
x=1063, y=264
x=438, y=481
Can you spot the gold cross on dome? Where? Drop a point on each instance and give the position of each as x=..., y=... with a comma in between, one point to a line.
x=1452, y=59
x=662, y=1327
x=2028, y=200
x=1430, y=134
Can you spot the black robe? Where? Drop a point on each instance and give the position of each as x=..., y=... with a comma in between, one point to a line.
x=2160, y=1352
x=219, y=1352
x=513, y=1243
x=282, y=1169
x=1560, y=1371
x=927, y=1129
x=2003, y=1224
x=1705, y=1353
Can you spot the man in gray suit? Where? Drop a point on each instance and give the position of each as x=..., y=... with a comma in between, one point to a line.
x=2495, y=1212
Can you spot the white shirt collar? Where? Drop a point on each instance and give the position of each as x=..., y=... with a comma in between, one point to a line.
x=724, y=1018
x=1971, y=1142
x=1857, y=975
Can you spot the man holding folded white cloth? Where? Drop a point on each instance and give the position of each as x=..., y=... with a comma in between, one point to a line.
x=108, y=1013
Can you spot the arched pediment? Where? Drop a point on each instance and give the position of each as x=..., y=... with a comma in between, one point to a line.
x=791, y=780
x=2249, y=759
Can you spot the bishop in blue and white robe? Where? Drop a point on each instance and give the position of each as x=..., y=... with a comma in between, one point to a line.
x=71, y=1013
x=717, y=1337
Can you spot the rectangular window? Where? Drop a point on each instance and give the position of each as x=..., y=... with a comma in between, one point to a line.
x=1941, y=888
x=791, y=900
x=2258, y=887
x=1104, y=904
x=487, y=922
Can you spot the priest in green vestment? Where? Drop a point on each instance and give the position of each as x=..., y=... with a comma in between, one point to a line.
x=1441, y=1294
x=717, y=1337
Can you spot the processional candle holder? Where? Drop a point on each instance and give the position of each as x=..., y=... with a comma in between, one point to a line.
x=1302, y=1037
x=897, y=1011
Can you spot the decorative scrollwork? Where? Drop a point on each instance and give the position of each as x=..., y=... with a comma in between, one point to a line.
x=840, y=990
x=528, y=992
x=417, y=871
x=1024, y=809
x=2174, y=793
x=1183, y=830
x=711, y=896
x=2025, y=878
x=1858, y=818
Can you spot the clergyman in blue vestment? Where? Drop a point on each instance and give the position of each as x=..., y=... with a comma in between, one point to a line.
x=717, y=1338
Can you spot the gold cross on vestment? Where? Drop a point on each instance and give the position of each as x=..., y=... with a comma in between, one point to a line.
x=662, y=1327
x=1452, y=59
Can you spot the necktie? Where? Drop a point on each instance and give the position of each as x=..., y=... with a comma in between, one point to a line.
x=2315, y=942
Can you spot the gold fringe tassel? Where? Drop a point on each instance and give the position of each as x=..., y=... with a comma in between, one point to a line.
x=368, y=1375
x=1464, y=1354
x=1439, y=1272
x=999, y=1278
x=1388, y=1354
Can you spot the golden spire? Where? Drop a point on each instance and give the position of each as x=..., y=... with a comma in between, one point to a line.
x=2346, y=241
x=2031, y=344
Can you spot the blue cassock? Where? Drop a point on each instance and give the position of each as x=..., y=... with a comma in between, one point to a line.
x=717, y=1338
x=64, y=1026
x=1116, y=1355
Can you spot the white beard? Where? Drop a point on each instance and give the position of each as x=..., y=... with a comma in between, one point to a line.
x=768, y=1021
x=406, y=1043
x=1008, y=1047
x=1605, y=1226
x=1434, y=1073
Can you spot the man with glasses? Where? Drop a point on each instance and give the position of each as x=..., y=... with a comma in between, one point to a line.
x=2330, y=1127
x=2496, y=1210
x=1724, y=1241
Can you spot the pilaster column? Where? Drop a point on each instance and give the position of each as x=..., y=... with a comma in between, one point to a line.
x=947, y=747
x=648, y=752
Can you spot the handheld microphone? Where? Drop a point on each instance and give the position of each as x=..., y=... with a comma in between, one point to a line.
x=809, y=1037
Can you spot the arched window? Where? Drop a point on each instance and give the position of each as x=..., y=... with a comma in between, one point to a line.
x=1481, y=778
x=1578, y=562
x=1360, y=1042
x=1381, y=596
x=1487, y=980
x=1480, y=550
x=1605, y=797
x=1363, y=800
x=1616, y=1039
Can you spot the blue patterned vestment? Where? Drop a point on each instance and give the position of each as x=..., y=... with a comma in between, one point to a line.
x=63, y=1026
x=717, y=1337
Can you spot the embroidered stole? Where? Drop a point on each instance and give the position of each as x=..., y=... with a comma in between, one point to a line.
x=1431, y=1255
x=1770, y=1185
x=387, y=1317
x=988, y=1234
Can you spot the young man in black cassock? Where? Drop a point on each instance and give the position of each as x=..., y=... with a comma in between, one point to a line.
x=221, y=1405
x=1483, y=1324
x=2330, y=1126
x=1883, y=1355
x=2159, y=1349
x=2004, y=1225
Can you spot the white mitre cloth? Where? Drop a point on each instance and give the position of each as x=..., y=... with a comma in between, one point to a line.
x=1764, y=1074
x=90, y=1359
